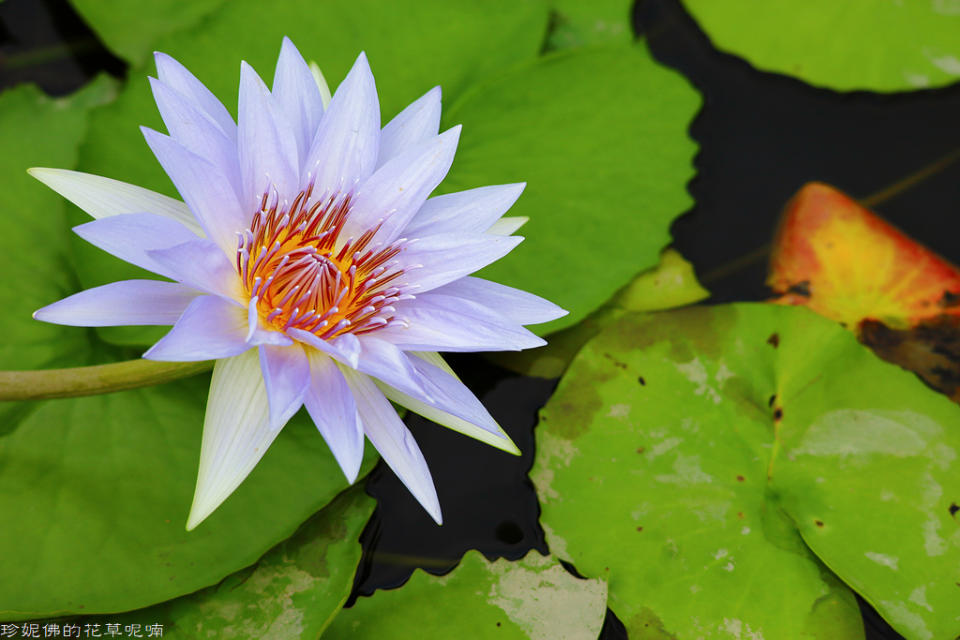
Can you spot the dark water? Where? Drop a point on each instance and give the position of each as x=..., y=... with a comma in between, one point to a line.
x=761, y=136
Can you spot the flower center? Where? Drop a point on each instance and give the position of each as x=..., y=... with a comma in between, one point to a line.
x=304, y=275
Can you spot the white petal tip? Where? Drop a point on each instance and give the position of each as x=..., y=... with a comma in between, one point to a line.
x=194, y=520
x=351, y=475
x=511, y=448
x=199, y=511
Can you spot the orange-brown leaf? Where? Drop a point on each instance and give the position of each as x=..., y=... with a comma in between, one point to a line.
x=845, y=263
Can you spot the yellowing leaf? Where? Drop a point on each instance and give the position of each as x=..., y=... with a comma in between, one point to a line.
x=844, y=262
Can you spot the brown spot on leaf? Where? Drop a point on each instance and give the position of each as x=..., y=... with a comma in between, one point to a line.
x=778, y=414
x=819, y=523
x=774, y=340
x=949, y=299
x=641, y=449
x=740, y=514
x=740, y=478
x=639, y=529
x=772, y=399
x=931, y=349
x=646, y=624
x=800, y=289
x=953, y=508
x=642, y=381
x=616, y=363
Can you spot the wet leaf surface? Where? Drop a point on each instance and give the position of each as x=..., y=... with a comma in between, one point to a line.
x=715, y=465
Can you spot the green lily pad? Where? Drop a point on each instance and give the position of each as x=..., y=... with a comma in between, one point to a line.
x=851, y=45
x=575, y=23
x=412, y=45
x=672, y=283
x=534, y=598
x=38, y=130
x=730, y=455
x=599, y=136
x=131, y=29
x=108, y=480
x=294, y=591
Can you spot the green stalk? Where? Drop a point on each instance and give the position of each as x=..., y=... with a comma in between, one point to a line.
x=93, y=380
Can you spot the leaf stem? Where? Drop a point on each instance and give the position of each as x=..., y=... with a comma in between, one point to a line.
x=92, y=380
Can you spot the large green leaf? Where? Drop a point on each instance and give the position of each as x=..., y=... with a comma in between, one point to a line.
x=672, y=283
x=412, y=45
x=292, y=592
x=855, y=44
x=98, y=491
x=576, y=23
x=599, y=136
x=534, y=598
x=131, y=29
x=37, y=130
x=717, y=460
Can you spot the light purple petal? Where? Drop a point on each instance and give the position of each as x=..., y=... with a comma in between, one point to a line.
x=286, y=374
x=298, y=96
x=385, y=362
x=197, y=132
x=130, y=236
x=209, y=329
x=137, y=302
x=436, y=260
x=394, y=441
x=102, y=197
x=416, y=124
x=204, y=187
x=472, y=211
x=236, y=432
x=176, y=76
x=200, y=264
x=344, y=150
x=345, y=348
x=330, y=403
x=444, y=323
x=400, y=187
x=514, y=304
x=267, y=147
x=451, y=404
x=257, y=334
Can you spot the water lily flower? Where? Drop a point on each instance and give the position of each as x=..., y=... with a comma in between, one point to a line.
x=309, y=261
